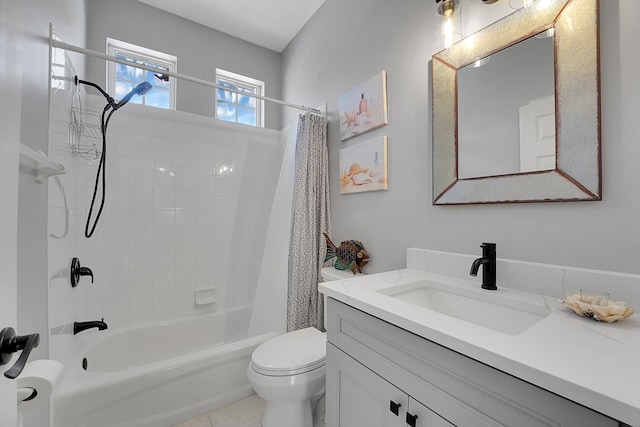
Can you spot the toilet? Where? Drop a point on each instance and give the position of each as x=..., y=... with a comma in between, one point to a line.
x=288, y=371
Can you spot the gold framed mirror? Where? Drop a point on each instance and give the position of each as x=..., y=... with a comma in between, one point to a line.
x=577, y=171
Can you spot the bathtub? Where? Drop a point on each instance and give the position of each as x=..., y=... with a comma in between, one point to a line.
x=157, y=375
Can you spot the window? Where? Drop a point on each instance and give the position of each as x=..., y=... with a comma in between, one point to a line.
x=237, y=107
x=121, y=78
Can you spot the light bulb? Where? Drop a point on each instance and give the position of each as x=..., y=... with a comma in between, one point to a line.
x=450, y=22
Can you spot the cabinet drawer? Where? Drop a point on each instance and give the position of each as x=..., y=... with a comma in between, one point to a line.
x=460, y=389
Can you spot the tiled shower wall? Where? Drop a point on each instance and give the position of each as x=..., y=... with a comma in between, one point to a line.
x=187, y=207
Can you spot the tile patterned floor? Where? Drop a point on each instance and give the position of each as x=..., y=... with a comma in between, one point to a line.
x=243, y=413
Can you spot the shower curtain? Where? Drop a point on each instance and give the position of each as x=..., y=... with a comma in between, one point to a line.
x=309, y=219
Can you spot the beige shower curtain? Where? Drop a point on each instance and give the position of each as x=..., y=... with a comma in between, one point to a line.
x=309, y=219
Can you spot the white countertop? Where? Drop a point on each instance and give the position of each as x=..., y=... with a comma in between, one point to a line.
x=595, y=364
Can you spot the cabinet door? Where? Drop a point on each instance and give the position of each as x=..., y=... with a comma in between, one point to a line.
x=356, y=396
x=425, y=416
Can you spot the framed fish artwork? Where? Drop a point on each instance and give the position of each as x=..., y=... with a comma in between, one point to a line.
x=364, y=107
x=363, y=167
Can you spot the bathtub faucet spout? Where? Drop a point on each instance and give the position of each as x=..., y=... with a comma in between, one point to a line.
x=83, y=326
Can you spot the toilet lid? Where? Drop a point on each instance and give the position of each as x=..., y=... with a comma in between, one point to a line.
x=291, y=353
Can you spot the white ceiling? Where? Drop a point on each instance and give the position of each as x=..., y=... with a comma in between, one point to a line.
x=267, y=23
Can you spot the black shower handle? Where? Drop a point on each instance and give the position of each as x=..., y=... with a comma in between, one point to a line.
x=76, y=271
x=86, y=271
x=11, y=343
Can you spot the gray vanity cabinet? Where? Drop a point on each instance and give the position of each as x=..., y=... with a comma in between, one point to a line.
x=374, y=366
x=364, y=398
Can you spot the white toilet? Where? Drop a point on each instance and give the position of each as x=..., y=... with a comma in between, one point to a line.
x=288, y=371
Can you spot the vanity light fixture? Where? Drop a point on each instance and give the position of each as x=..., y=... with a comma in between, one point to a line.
x=449, y=29
x=447, y=7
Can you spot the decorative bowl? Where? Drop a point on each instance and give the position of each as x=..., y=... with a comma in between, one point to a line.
x=593, y=308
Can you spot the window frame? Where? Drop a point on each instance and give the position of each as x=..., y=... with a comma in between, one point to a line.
x=115, y=47
x=242, y=81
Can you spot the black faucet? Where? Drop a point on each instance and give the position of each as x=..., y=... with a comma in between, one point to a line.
x=489, y=270
x=83, y=326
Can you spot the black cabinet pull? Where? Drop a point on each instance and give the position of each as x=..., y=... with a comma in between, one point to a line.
x=394, y=407
x=411, y=420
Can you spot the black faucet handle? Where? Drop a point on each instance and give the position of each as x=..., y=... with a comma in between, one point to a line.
x=77, y=271
x=11, y=343
x=86, y=271
x=488, y=246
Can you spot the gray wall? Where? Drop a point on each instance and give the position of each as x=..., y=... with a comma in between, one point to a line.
x=200, y=50
x=347, y=42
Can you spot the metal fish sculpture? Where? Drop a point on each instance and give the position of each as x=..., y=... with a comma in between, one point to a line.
x=350, y=255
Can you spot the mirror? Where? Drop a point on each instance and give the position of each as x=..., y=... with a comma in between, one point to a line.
x=466, y=122
x=506, y=125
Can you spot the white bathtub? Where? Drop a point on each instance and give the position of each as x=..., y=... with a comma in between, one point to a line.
x=157, y=375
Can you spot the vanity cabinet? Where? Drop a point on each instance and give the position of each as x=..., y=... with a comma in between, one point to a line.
x=375, y=369
x=364, y=398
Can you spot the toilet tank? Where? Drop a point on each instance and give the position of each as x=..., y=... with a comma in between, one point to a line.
x=330, y=273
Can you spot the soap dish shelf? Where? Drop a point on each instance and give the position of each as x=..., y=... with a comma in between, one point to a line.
x=45, y=167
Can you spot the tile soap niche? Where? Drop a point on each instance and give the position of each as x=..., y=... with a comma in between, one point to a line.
x=205, y=296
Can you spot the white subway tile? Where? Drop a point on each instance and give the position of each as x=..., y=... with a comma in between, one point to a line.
x=206, y=183
x=185, y=201
x=164, y=200
x=165, y=218
x=206, y=202
x=164, y=278
x=140, y=179
x=141, y=240
x=140, y=301
x=164, y=180
x=140, y=219
x=164, y=258
x=185, y=181
x=140, y=199
x=185, y=219
x=185, y=238
x=141, y=280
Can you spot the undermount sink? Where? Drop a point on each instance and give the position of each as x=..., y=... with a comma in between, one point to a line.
x=507, y=311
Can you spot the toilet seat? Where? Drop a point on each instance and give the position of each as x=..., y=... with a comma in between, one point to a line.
x=292, y=353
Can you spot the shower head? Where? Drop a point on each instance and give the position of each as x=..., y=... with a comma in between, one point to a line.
x=141, y=89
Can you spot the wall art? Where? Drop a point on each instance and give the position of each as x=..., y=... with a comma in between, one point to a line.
x=364, y=107
x=363, y=167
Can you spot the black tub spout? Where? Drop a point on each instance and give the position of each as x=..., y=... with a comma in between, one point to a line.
x=83, y=326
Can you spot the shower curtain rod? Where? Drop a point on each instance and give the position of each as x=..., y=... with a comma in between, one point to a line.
x=66, y=46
